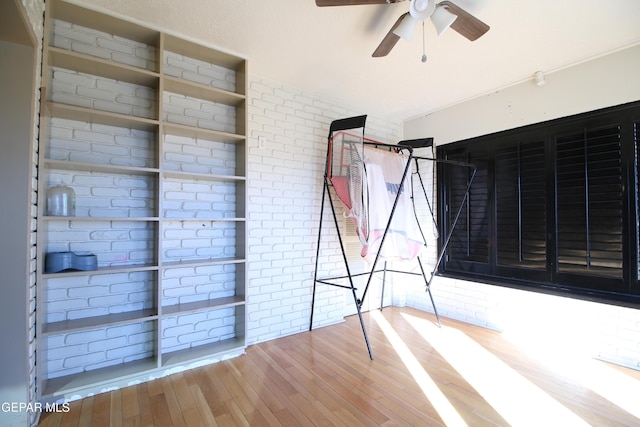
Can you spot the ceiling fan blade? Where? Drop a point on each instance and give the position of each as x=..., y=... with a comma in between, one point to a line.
x=323, y=3
x=467, y=25
x=389, y=40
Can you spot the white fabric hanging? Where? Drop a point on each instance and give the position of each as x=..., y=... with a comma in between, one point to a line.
x=384, y=170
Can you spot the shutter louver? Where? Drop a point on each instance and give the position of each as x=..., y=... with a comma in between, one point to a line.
x=589, y=202
x=521, y=205
x=469, y=241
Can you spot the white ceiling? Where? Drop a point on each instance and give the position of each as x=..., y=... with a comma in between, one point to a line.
x=328, y=50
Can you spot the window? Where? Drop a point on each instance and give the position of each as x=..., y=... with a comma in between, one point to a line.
x=468, y=248
x=520, y=205
x=589, y=202
x=553, y=207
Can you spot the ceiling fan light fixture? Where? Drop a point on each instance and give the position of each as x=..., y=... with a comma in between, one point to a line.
x=442, y=19
x=421, y=9
x=406, y=28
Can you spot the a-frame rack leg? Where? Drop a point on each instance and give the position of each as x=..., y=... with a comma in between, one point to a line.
x=356, y=300
x=428, y=283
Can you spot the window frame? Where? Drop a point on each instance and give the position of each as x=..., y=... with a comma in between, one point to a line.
x=624, y=290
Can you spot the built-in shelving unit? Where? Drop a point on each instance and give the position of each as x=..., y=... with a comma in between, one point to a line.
x=150, y=131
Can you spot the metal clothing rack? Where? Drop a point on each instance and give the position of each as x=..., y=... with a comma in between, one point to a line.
x=406, y=146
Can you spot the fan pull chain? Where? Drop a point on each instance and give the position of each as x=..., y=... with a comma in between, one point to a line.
x=424, y=54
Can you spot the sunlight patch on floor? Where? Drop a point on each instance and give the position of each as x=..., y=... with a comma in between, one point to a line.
x=439, y=401
x=560, y=352
x=515, y=398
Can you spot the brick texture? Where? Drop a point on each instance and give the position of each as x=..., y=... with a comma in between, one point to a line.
x=35, y=16
x=284, y=187
x=285, y=191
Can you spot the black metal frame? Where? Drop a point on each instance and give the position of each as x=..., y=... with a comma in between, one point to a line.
x=408, y=145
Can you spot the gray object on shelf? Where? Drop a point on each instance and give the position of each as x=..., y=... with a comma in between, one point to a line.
x=55, y=262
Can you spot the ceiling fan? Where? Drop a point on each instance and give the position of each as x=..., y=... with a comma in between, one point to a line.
x=443, y=15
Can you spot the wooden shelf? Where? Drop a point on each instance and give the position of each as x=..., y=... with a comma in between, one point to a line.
x=208, y=134
x=200, y=262
x=206, y=351
x=208, y=93
x=205, y=305
x=198, y=219
x=88, y=323
x=101, y=218
x=96, y=167
x=66, y=385
x=102, y=270
x=99, y=67
x=203, y=176
x=72, y=112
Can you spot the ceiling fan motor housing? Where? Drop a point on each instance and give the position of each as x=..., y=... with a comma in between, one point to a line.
x=422, y=9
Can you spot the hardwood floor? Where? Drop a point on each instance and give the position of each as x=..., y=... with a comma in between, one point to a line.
x=421, y=376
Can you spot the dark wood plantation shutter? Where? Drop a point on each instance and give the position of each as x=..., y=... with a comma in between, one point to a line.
x=589, y=202
x=636, y=149
x=555, y=206
x=468, y=249
x=521, y=204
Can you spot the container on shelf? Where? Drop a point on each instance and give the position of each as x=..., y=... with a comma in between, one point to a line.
x=61, y=201
x=55, y=262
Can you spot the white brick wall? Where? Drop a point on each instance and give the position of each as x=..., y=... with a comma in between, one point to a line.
x=35, y=14
x=197, y=71
x=285, y=190
x=84, y=90
x=284, y=187
x=198, y=155
x=194, y=329
x=102, y=45
x=188, y=111
x=188, y=284
x=94, y=143
x=87, y=350
x=85, y=296
x=194, y=240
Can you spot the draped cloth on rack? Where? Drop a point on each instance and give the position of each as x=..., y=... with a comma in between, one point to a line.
x=372, y=179
x=368, y=180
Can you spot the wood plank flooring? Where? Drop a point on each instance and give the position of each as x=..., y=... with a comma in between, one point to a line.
x=422, y=375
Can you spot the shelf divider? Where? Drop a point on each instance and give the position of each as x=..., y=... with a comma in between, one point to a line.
x=61, y=386
x=205, y=305
x=200, y=91
x=205, y=351
x=210, y=134
x=88, y=323
x=108, y=118
x=87, y=64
